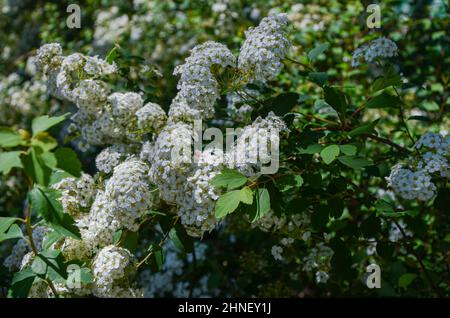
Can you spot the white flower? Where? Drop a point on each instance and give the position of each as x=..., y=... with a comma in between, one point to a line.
x=381, y=47
x=276, y=252
x=264, y=48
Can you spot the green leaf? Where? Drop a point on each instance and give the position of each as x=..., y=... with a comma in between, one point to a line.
x=13, y=233
x=130, y=242
x=371, y=226
x=58, y=175
x=311, y=149
x=386, y=81
x=34, y=166
x=44, y=141
x=229, y=201
x=406, y=279
x=229, y=179
x=262, y=203
x=289, y=182
x=5, y=223
x=318, y=77
x=9, y=160
x=68, y=161
x=384, y=206
x=181, y=239
x=281, y=104
x=80, y=274
x=50, y=238
x=112, y=55
x=48, y=159
x=317, y=50
x=336, y=99
x=157, y=258
x=45, y=202
x=384, y=100
x=21, y=283
x=349, y=150
x=364, y=129
x=10, y=138
x=330, y=153
x=354, y=162
x=42, y=123
x=320, y=217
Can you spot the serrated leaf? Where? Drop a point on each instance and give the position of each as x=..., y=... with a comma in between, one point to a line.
x=229, y=201
x=42, y=123
x=229, y=179
x=330, y=153
x=9, y=160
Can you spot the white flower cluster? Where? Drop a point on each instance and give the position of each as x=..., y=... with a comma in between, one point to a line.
x=264, y=48
x=198, y=87
x=76, y=194
x=433, y=160
x=113, y=270
x=102, y=118
x=124, y=201
x=378, y=48
x=122, y=120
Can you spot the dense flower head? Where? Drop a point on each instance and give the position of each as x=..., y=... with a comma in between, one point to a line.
x=76, y=193
x=198, y=87
x=411, y=185
x=378, y=48
x=113, y=269
x=151, y=118
x=264, y=48
x=112, y=156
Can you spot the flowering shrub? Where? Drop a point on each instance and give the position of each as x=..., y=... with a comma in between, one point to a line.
x=340, y=159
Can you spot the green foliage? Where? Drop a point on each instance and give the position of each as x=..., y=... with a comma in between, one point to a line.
x=229, y=201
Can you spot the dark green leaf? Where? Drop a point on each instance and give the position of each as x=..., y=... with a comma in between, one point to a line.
x=21, y=283
x=354, y=162
x=181, y=239
x=364, y=129
x=68, y=161
x=317, y=50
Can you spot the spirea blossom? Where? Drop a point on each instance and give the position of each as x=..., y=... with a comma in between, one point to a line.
x=379, y=48
x=264, y=48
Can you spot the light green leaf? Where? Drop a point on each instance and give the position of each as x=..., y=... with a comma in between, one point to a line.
x=229, y=202
x=349, y=150
x=9, y=160
x=10, y=138
x=44, y=141
x=5, y=223
x=330, y=153
x=262, y=200
x=13, y=233
x=42, y=123
x=229, y=179
x=311, y=149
